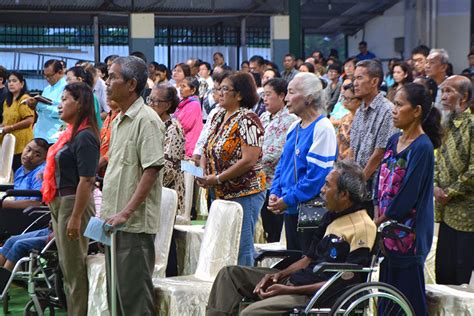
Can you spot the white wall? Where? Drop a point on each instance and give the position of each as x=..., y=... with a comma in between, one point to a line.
x=380, y=32
x=452, y=29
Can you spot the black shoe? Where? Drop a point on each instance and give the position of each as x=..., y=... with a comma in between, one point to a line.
x=4, y=277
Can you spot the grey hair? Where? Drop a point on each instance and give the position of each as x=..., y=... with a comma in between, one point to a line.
x=464, y=86
x=374, y=69
x=442, y=53
x=133, y=68
x=351, y=179
x=311, y=86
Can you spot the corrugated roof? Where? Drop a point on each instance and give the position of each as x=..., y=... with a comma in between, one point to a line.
x=321, y=16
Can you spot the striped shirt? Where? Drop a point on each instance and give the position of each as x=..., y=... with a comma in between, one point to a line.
x=312, y=150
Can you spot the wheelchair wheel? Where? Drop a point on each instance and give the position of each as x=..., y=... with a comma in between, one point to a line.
x=375, y=298
x=46, y=308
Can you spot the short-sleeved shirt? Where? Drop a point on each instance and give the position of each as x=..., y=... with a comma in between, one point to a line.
x=136, y=144
x=224, y=148
x=346, y=236
x=31, y=180
x=15, y=113
x=371, y=128
x=78, y=158
x=276, y=127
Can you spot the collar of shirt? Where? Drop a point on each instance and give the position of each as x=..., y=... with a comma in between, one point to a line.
x=378, y=98
x=463, y=117
x=133, y=109
x=21, y=173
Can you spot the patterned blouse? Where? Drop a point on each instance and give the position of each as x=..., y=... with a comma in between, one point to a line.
x=344, y=136
x=173, y=177
x=275, y=137
x=15, y=113
x=224, y=148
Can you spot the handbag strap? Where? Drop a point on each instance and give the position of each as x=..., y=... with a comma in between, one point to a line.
x=294, y=156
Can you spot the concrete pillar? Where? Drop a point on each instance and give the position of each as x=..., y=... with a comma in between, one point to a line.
x=243, y=41
x=96, y=39
x=142, y=34
x=280, y=38
x=294, y=8
x=416, y=25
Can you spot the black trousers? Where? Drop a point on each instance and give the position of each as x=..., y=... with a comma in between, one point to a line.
x=297, y=240
x=272, y=223
x=454, y=256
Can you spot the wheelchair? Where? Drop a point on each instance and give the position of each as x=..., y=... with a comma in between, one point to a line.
x=39, y=272
x=15, y=221
x=367, y=298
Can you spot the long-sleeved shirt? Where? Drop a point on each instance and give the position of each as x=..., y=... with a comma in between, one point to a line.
x=289, y=75
x=189, y=115
x=315, y=147
x=454, y=173
x=405, y=194
x=48, y=123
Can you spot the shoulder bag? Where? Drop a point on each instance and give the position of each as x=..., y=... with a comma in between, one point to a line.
x=310, y=213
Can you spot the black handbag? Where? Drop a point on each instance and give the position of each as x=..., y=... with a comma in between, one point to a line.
x=310, y=213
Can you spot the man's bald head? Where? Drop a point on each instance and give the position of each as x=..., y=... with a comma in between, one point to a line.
x=462, y=85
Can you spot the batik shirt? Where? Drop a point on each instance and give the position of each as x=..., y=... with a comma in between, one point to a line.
x=405, y=194
x=275, y=136
x=224, y=148
x=174, y=150
x=454, y=173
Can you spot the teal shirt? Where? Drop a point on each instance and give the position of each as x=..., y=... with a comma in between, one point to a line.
x=48, y=123
x=97, y=112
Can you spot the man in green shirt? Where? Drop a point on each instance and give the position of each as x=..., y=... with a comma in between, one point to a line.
x=454, y=185
x=132, y=185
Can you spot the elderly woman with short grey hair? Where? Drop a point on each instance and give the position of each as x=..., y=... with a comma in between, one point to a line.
x=308, y=156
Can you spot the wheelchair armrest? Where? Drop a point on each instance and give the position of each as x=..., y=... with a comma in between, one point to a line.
x=5, y=187
x=338, y=267
x=387, y=229
x=277, y=254
x=27, y=193
x=30, y=210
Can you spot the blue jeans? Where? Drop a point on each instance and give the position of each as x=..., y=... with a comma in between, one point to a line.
x=17, y=247
x=251, y=204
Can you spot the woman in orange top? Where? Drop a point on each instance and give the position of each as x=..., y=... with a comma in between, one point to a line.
x=105, y=135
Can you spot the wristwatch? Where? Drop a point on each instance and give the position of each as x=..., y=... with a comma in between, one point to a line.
x=218, y=180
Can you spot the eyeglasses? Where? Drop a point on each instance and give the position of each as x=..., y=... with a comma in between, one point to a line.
x=150, y=101
x=224, y=89
x=49, y=76
x=345, y=99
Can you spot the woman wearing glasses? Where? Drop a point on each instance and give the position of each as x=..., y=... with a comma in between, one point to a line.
x=232, y=155
x=164, y=100
x=351, y=103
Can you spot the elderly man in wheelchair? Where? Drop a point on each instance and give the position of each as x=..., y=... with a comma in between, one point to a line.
x=334, y=264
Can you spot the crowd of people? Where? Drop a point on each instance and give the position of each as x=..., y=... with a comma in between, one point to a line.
x=375, y=147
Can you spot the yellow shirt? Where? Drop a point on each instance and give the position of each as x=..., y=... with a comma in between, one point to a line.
x=136, y=143
x=15, y=113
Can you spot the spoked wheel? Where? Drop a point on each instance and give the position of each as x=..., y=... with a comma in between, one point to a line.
x=46, y=308
x=375, y=298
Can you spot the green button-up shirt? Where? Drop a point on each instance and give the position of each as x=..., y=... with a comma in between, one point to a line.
x=454, y=173
x=136, y=143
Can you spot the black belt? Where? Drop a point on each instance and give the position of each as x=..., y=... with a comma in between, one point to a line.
x=65, y=191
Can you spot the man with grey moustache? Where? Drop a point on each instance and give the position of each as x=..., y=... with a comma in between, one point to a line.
x=454, y=184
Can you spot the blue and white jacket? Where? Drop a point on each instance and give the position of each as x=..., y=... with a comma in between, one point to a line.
x=315, y=152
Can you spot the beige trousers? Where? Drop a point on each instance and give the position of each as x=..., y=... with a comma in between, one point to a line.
x=72, y=254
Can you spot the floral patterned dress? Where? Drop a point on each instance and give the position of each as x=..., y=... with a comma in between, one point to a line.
x=224, y=148
x=173, y=177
